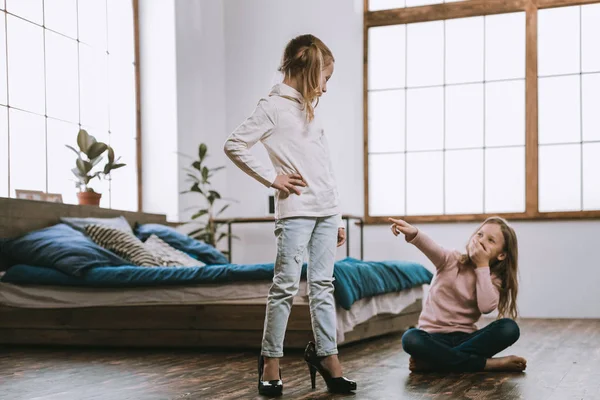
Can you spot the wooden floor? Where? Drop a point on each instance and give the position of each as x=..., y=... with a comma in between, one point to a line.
x=563, y=364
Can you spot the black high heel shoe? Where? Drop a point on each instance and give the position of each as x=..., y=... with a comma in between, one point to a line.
x=335, y=385
x=268, y=388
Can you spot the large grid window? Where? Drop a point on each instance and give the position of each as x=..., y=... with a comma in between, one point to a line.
x=66, y=65
x=569, y=108
x=446, y=115
x=475, y=110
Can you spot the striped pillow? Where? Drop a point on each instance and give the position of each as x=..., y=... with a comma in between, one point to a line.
x=169, y=256
x=122, y=243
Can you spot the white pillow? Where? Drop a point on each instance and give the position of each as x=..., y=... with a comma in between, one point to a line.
x=169, y=256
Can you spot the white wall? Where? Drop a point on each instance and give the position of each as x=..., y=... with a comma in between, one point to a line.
x=256, y=33
x=183, y=98
x=200, y=90
x=159, y=107
x=560, y=271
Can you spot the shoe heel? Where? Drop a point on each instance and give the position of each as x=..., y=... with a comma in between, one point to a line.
x=313, y=375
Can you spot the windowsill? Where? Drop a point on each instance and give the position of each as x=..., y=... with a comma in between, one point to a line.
x=550, y=216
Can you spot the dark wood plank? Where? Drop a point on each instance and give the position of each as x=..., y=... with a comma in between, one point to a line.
x=540, y=216
x=531, y=109
x=21, y=216
x=563, y=364
x=210, y=325
x=436, y=12
x=564, y=3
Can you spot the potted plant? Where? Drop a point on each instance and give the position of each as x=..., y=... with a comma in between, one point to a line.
x=200, y=175
x=89, y=155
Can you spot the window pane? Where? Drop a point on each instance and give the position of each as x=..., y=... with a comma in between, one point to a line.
x=61, y=16
x=505, y=113
x=464, y=50
x=386, y=184
x=123, y=184
x=61, y=160
x=558, y=41
x=31, y=10
x=26, y=65
x=28, y=151
x=387, y=57
x=425, y=119
x=121, y=83
x=560, y=178
x=591, y=179
x=120, y=29
x=464, y=116
x=559, y=112
x=425, y=54
x=92, y=23
x=3, y=88
x=505, y=180
x=375, y=5
x=464, y=182
x=591, y=106
x=3, y=152
x=386, y=121
x=505, y=46
x=93, y=67
x=590, y=32
x=61, y=78
x=425, y=185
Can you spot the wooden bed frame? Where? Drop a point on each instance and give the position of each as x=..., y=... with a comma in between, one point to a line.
x=222, y=325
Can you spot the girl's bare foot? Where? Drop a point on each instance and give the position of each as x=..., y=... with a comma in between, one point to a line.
x=271, y=371
x=509, y=363
x=418, y=366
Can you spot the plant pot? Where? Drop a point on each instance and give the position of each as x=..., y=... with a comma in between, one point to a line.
x=89, y=198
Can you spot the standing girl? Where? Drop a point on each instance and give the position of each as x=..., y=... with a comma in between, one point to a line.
x=466, y=286
x=306, y=208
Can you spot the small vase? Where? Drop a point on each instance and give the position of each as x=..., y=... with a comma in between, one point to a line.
x=89, y=198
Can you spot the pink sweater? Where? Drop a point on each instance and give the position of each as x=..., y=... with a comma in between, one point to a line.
x=459, y=294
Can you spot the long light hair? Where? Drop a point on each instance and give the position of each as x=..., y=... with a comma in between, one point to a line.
x=304, y=59
x=506, y=270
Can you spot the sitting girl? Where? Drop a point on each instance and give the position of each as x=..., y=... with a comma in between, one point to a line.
x=466, y=286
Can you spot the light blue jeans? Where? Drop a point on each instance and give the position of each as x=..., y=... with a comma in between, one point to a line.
x=294, y=237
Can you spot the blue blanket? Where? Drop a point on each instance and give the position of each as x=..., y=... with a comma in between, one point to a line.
x=354, y=279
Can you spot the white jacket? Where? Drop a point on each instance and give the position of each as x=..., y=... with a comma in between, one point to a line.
x=294, y=146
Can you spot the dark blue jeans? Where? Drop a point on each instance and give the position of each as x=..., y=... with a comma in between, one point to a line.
x=459, y=351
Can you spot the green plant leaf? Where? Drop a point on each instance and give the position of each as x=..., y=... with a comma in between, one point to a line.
x=193, y=177
x=214, y=194
x=196, y=188
x=74, y=150
x=205, y=173
x=196, y=165
x=82, y=140
x=223, y=209
x=97, y=160
x=213, y=170
x=96, y=149
x=84, y=166
x=202, y=151
x=77, y=173
x=111, y=155
x=117, y=166
x=199, y=214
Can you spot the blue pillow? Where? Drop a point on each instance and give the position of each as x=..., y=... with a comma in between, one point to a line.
x=195, y=248
x=60, y=247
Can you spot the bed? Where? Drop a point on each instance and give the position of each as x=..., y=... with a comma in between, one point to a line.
x=41, y=306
